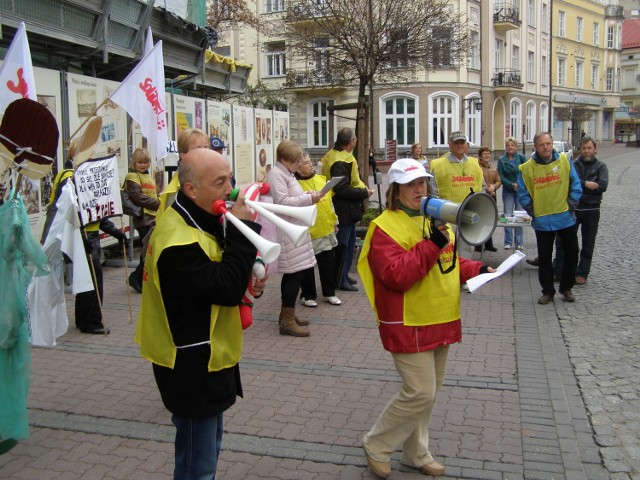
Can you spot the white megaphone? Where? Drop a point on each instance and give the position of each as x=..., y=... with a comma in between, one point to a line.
x=268, y=250
x=476, y=217
x=295, y=232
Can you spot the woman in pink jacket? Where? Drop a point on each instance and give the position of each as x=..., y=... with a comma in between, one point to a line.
x=293, y=261
x=412, y=275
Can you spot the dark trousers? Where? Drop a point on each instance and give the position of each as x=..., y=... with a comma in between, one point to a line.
x=327, y=277
x=347, y=237
x=545, y=240
x=87, y=307
x=588, y=222
x=137, y=273
x=290, y=286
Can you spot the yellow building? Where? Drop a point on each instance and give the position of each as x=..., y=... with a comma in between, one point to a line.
x=586, y=66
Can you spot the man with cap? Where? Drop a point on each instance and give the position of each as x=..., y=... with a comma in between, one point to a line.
x=456, y=174
x=412, y=278
x=218, y=145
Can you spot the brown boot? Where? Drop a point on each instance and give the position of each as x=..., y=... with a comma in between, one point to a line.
x=299, y=321
x=288, y=325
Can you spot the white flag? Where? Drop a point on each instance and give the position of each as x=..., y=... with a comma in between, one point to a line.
x=16, y=73
x=148, y=44
x=141, y=94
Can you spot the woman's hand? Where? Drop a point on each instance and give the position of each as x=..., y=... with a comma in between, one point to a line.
x=316, y=196
x=491, y=270
x=258, y=286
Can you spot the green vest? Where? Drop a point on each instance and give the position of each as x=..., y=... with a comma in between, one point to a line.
x=153, y=333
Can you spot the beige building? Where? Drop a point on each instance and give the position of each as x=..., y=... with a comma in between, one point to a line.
x=505, y=88
x=586, y=48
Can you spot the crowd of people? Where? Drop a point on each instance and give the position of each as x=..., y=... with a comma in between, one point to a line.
x=194, y=270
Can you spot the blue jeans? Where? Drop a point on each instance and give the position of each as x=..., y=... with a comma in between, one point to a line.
x=198, y=443
x=510, y=203
x=347, y=237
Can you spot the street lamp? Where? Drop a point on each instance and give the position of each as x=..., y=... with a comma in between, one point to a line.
x=473, y=103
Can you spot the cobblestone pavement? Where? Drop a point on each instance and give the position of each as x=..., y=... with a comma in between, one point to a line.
x=532, y=392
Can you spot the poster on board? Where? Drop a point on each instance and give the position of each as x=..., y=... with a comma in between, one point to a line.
x=243, y=143
x=280, y=127
x=264, y=143
x=219, y=125
x=188, y=113
x=85, y=94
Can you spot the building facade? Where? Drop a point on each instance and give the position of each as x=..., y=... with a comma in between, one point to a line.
x=523, y=62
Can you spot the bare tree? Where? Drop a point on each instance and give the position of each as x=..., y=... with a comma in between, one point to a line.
x=577, y=115
x=357, y=42
x=224, y=15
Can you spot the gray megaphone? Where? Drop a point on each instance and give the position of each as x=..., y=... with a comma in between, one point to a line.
x=476, y=217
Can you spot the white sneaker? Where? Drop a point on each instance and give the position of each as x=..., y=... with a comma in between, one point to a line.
x=520, y=247
x=465, y=288
x=308, y=302
x=507, y=247
x=334, y=300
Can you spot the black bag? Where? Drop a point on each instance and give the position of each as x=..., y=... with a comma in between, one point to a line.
x=128, y=207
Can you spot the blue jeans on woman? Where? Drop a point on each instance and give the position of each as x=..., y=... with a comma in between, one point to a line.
x=198, y=443
x=347, y=236
x=510, y=203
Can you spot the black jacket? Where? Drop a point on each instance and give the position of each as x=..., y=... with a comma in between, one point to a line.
x=347, y=200
x=190, y=283
x=593, y=171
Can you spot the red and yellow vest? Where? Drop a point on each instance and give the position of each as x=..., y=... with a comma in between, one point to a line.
x=548, y=185
x=153, y=333
x=454, y=179
x=433, y=300
x=147, y=184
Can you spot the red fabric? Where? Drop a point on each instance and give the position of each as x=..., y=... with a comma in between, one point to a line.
x=395, y=271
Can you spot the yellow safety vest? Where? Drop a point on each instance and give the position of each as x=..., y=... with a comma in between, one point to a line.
x=153, y=333
x=327, y=218
x=433, y=300
x=168, y=195
x=548, y=185
x=148, y=186
x=334, y=156
x=454, y=179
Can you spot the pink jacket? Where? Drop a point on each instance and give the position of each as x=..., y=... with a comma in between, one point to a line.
x=286, y=190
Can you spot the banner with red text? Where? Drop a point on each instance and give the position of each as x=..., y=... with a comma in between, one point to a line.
x=98, y=189
x=16, y=73
x=141, y=94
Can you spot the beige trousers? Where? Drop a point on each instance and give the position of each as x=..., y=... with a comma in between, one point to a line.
x=405, y=419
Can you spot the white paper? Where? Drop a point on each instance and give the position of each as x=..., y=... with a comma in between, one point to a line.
x=330, y=184
x=479, y=280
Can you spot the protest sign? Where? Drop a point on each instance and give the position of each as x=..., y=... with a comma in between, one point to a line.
x=98, y=189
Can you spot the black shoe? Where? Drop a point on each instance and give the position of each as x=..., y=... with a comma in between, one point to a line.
x=477, y=249
x=348, y=288
x=534, y=262
x=98, y=330
x=491, y=249
x=135, y=283
x=352, y=280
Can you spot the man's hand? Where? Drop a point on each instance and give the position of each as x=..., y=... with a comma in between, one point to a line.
x=258, y=286
x=591, y=185
x=240, y=209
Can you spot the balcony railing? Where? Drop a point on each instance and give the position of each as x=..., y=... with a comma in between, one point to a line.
x=309, y=78
x=506, y=13
x=506, y=78
x=614, y=11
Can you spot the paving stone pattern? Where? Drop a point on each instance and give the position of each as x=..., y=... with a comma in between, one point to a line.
x=532, y=392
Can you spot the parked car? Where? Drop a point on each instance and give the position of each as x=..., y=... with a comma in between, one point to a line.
x=561, y=146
